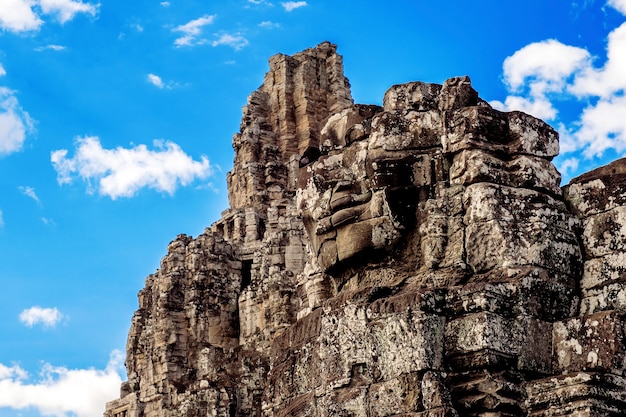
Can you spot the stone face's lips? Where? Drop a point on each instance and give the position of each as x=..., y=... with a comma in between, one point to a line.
x=416, y=259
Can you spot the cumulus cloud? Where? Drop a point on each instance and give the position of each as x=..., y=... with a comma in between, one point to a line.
x=29, y=192
x=15, y=123
x=538, y=71
x=192, y=31
x=49, y=317
x=14, y=371
x=26, y=15
x=542, y=75
x=292, y=5
x=121, y=172
x=18, y=16
x=62, y=392
x=236, y=41
x=65, y=10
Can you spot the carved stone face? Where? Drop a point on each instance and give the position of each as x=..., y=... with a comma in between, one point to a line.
x=359, y=193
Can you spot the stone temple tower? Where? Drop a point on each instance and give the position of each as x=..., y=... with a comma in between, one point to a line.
x=415, y=259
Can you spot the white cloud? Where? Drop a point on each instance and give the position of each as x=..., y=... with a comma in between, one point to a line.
x=49, y=317
x=18, y=16
x=537, y=106
x=1, y=220
x=236, y=41
x=192, y=30
x=259, y=2
x=15, y=123
x=619, y=5
x=538, y=71
x=603, y=126
x=51, y=47
x=292, y=5
x=48, y=222
x=568, y=166
x=543, y=75
x=2, y=71
x=14, y=371
x=155, y=80
x=29, y=192
x=62, y=392
x=165, y=3
x=65, y=10
x=158, y=82
x=25, y=15
x=605, y=82
x=544, y=66
x=268, y=24
x=121, y=172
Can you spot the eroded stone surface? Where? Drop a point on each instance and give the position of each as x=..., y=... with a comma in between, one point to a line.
x=416, y=259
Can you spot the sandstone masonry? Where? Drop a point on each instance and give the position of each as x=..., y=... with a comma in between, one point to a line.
x=417, y=259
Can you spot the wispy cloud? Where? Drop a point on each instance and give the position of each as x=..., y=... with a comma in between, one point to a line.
x=269, y=25
x=121, y=172
x=15, y=123
x=26, y=15
x=192, y=31
x=155, y=80
x=1, y=220
x=259, y=2
x=293, y=5
x=2, y=71
x=29, y=192
x=541, y=74
x=49, y=317
x=165, y=3
x=60, y=391
x=48, y=222
x=236, y=41
x=51, y=47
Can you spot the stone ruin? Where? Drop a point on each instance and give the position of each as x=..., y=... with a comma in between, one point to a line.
x=417, y=259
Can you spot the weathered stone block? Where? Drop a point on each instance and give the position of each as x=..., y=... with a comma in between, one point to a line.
x=604, y=270
x=526, y=340
x=509, y=227
x=577, y=394
x=398, y=395
x=590, y=343
x=484, y=128
x=521, y=171
x=407, y=343
x=605, y=233
x=607, y=297
x=416, y=95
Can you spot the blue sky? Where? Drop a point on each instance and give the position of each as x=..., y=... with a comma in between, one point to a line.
x=116, y=121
